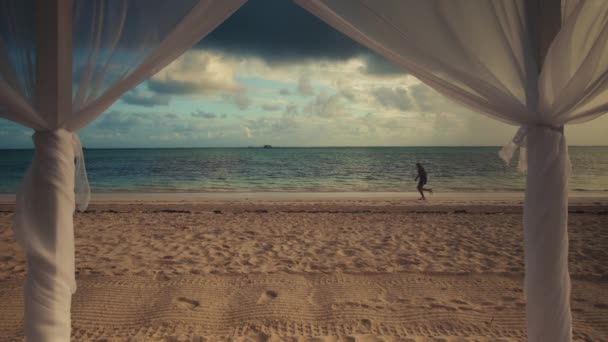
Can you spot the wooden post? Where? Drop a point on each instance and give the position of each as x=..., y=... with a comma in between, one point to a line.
x=53, y=60
x=544, y=22
x=45, y=203
x=547, y=282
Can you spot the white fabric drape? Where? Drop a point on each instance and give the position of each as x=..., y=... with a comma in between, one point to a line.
x=479, y=53
x=115, y=46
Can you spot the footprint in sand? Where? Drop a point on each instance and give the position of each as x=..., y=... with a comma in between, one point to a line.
x=365, y=326
x=160, y=275
x=186, y=303
x=508, y=299
x=267, y=297
x=311, y=299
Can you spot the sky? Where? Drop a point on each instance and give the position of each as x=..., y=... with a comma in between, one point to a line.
x=274, y=74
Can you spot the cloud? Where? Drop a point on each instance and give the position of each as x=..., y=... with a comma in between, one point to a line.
x=118, y=122
x=454, y=124
x=396, y=98
x=138, y=99
x=279, y=31
x=239, y=99
x=272, y=126
x=203, y=115
x=173, y=87
x=258, y=124
x=589, y=133
x=346, y=90
x=271, y=107
x=305, y=85
x=285, y=123
x=247, y=132
x=376, y=65
x=291, y=110
x=327, y=106
x=13, y=135
x=426, y=99
x=197, y=73
x=285, y=91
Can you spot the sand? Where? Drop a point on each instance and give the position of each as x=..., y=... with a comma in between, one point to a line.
x=331, y=267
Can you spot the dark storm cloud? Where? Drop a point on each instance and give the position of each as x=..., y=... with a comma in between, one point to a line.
x=280, y=31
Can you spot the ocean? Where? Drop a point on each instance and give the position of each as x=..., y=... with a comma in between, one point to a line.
x=326, y=169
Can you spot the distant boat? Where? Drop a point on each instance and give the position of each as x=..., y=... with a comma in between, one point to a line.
x=267, y=146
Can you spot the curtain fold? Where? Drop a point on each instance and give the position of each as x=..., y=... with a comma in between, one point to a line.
x=438, y=42
x=480, y=54
x=121, y=59
x=115, y=46
x=573, y=83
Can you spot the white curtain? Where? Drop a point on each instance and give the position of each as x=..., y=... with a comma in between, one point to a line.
x=113, y=45
x=479, y=54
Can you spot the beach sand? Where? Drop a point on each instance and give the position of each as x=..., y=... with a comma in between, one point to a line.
x=301, y=268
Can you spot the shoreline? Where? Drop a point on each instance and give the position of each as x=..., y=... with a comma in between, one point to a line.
x=405, y=198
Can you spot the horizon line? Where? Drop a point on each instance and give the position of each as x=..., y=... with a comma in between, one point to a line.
x=280, y=146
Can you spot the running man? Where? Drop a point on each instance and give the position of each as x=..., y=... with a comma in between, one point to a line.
x=422, y=179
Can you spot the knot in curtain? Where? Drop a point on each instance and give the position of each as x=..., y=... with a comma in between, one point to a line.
x=519, y=142
x=66, y=145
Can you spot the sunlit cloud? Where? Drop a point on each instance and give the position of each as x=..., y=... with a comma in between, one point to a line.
x=197, y=73
x=305, y=85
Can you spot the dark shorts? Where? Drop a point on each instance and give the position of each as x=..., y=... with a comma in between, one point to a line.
x=421, y=181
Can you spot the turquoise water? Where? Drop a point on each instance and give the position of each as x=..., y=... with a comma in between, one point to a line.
x=345, y=169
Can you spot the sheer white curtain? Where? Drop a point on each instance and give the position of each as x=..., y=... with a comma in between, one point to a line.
x=63, y=63
x=479, y=53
